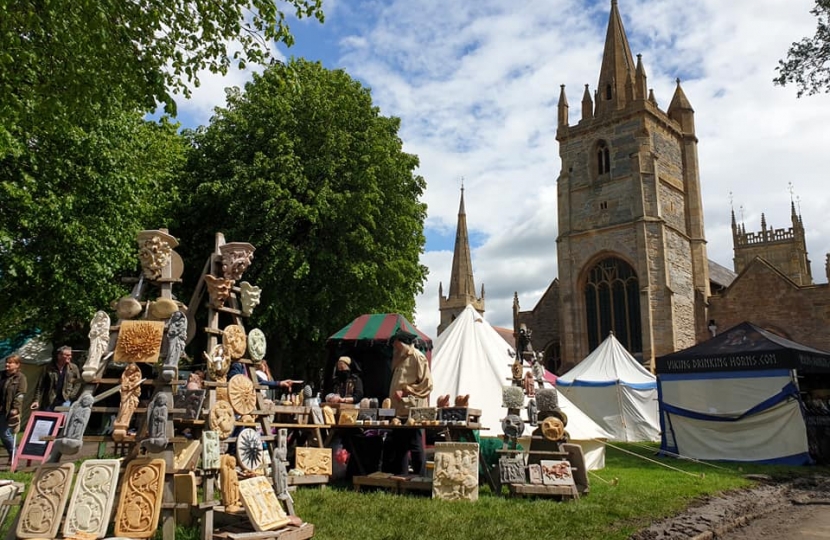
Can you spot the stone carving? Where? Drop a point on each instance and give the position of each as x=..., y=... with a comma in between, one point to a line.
x=249, y=297
x=195, y=380
x=139, y=341
x=280, y=470
x=552, y=428
x=456, y=471
x=229, y=481
x=176, y=338
x=127, y=308
x=99, y=341
x=453, y=414
x=547, y=399
x=532, y=412
x=222, y=419
x=511, y=470
x=328, y=415
x=139, y=505
x=423, y=414
x=367, y=415
x=348, y=417
x=256, y=345
x=41, y=514
x=191, y=401
x=73, y=432
x=91, y=504
x=210, y=450
x=534, y=471
x=462, y=401
x=516, y=370
x=557, y=473
x=130, y=392
x=219, y=289
x=538, y=371
x=387, y=404
x=529, y=384
x=184, y=454
x=314, y=460
x=218, y=363
x=261, y=504
x=235, y=341
x=249, y=449
x=512, y=397
x=512, y=426
x=241, y=394
x=236, y=257
x=443, y=401
x=156, y=424
x=162, y=309
x=154, y=251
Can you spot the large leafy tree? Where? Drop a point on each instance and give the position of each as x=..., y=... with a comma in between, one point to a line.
x=315, y=177
x=72, y=204
x=64, y=60
x=808, y=61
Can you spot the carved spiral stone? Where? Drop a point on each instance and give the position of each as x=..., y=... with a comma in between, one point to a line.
x=552, y=428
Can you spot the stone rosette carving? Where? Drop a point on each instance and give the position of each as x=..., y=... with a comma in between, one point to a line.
x=139, y=341
x=139, y=505
x=256, y=345
x=91, y=504
x=512, y=397
x=241, y=394
x=210, y=450
x=235, y=341
x=249, y=449
x=222, y=419
x=236, y=258
x=154, y=252
x=314, y=460
x=261, y=504
x=41, y=514
x=99, y=342
x=219, y=289
x=455, y=476
x=249, y=297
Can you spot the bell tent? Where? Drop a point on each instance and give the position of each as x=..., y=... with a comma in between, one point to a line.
x=619, y=394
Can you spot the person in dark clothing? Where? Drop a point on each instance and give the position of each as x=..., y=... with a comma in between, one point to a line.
x=59, y=384
x=348, y=387
x=12, y=391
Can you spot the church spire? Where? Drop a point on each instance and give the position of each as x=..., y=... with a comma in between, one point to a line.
x=617, y=71
x=461, y=279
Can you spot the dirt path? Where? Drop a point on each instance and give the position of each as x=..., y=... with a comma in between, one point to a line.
x=770, y=510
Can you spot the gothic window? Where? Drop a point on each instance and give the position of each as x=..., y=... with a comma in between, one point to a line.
x=603, y=156
x=607, y=91
x=612, y=303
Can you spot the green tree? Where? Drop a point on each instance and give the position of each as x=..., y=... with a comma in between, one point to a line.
x=315, y=178
x=64, y=60
x=808, y=61
x=72, y=204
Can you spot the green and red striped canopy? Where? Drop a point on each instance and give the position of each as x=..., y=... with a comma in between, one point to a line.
x=378, y=327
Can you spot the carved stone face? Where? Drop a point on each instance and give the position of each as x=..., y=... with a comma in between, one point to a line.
x=512, y=425
x=236, y=257
x=256, y=345
x=154, y=254
x=250, y=297
x=234, y=341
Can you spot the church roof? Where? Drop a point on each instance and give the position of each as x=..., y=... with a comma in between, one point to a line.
x=720, y=275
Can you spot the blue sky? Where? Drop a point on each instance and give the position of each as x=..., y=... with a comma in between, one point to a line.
x=476, y=83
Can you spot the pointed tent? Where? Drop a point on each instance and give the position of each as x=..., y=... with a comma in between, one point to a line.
x=735, y=397
x=470, y=357
x=619, y=394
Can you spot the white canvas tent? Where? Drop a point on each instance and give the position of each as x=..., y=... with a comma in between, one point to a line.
x=619, y=394
x=470, y=357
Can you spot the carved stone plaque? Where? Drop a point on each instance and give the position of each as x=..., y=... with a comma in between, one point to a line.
x=423, y=414
x=534, y=471
x=139, y=341
x=261, y=504
x=453, y=414
x=347, y=417
x=139, y=505
x=256, y=343
x=512, y=397
x=46, y=501
x=241, y=394
x=249, y=449
x=456, y=471
x=210, y=450
x=91, y=505
x=511, y=470
x=222, y=419
x=235, y=341
x=314, y=460
x=557, y=473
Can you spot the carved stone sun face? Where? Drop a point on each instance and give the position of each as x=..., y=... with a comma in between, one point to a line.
x=512, y=425
x=552, y=428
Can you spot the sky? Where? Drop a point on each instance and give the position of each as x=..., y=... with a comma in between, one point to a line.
x=476, y=85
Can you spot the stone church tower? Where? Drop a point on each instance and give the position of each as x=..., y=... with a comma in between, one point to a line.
x=462, y=284
x=631, y=245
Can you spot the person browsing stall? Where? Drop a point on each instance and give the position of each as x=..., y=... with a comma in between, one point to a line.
x=60, y=383
x=12, y=391
x=348, y=387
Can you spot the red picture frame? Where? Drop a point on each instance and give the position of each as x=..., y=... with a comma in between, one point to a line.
x=32, y=447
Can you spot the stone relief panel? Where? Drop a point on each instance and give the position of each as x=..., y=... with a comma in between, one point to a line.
x=235, y=341
x=219, y=290
x=210, y=450
x=139, y=505
x=456, y=471
x=90, y=508
x=139, y=341
x=257, y=344
x=557, y=473
x=511, y=470
x=222, y=419
x=130, y=393
x=41, y=514
x=249, y=297
x=423, y=414
x=261, y=504
x=314, y=460
x=99, y=342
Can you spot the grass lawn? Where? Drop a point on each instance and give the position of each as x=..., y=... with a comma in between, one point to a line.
x=643, y=492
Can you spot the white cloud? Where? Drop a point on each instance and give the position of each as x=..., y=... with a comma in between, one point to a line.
x=476, y=85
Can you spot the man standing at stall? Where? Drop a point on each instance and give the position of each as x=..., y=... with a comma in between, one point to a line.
x=59, y=384
x=410, y=388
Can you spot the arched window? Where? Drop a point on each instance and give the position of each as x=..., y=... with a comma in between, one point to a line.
x=612, y=303
x=603, y=155
x=607, y=91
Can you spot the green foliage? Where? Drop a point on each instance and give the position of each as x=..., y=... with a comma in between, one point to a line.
x=61, y=60
x=315, y=178
x=72, y=204
x=808, y=61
